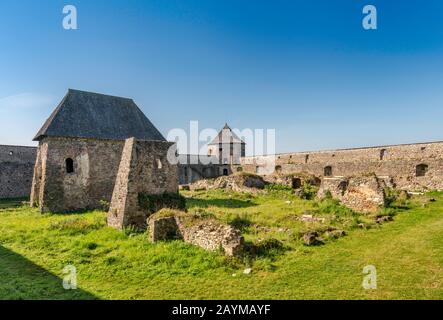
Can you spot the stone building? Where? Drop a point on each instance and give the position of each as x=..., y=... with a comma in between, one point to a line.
x=228, y=148
x=80, y=151
x=16, y=168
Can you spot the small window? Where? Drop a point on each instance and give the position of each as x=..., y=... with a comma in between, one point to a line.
x=225, y=172
x=306, y=158
x=239, y=169
x=421, y=169
x=69, y=165
x=383, y=153
x=11, y=153
x=296, y=183
x=328, y=171
x=159, y=164
x=278, y=169
x=257, y=169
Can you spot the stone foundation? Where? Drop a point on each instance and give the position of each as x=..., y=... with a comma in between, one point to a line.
x=206, y=233
x=361, y=194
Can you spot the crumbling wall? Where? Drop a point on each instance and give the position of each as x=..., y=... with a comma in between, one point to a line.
x=16, y=170
x=362, y=194
x=144, y=169
x=399, y=162
x=207, y=233
x=95, y=166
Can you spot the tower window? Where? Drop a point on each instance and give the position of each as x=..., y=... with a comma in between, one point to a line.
x=383, y=153
x=69, y=165
x=328, y=171
x=420, y=170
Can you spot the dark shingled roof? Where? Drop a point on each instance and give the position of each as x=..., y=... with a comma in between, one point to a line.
x=91, y=115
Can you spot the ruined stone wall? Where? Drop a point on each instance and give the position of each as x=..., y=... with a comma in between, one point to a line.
x=143, y=169
x=16, y=169
x=95, y=166
x=197, y=167
x=412, y=166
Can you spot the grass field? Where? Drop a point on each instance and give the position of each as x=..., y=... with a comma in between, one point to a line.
x=407, y=253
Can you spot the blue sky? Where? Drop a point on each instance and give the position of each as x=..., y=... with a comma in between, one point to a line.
x=305, y=68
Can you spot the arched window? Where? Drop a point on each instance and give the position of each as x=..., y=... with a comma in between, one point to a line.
x=278, y=169
x=328, y=171
x=383, y=153
x=69, y=165
x=420, y=170
x=159, y=163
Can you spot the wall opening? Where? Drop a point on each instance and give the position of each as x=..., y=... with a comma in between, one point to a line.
x=69, y=165
x=383, y=154
x=306, y=158
x=225, y=172
x=239, y=169
x=327, y=171
x=278, y=169
x=296, y=183
x=421, y=169
x=159, y=163
x=343, y=186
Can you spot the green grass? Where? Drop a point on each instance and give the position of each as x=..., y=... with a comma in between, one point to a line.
x=407, y=253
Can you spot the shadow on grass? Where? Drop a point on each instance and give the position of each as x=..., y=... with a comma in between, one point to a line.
x=12, y=203
x=22, y=279
x=222, y=203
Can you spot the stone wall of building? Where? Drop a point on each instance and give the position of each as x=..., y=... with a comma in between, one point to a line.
x=197, y=167
x=144, y=169
x=411, y=166
x=16, y=169
x=94, y=169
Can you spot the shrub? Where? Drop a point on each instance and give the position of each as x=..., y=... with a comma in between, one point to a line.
x=274, y=187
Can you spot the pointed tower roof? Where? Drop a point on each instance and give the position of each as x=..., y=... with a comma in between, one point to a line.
x=84, y=114
x=226, y=135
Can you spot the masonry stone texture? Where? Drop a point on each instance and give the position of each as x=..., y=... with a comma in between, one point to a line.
x=412, y=167
x=16, y=170
x=144, y=169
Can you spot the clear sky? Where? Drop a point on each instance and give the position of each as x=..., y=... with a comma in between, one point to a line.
x=305, y=68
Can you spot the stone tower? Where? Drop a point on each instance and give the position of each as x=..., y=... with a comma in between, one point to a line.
x=228, y=148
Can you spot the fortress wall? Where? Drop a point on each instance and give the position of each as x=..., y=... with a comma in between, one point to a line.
x=16, y=168
x=399, y=162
